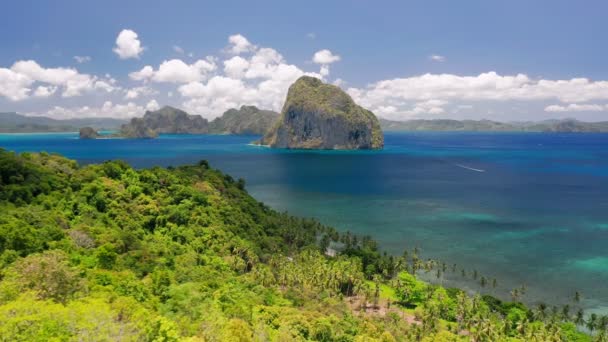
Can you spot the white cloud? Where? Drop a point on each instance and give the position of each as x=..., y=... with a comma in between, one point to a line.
x=178, y=49
x=108, y=109
x=152, y=105
x=136, y=92
x=261, y=80
x=13, y=85
x=44, y=91
x=404, y=93
x=575, y=107
x=82, y=59
x=325, y=57
x=128, y=45
x=437, y=58
x=239, y=44
x=339, y=82
x=142, y=75
x=15, y=82
x=236, y=66
x=324, y=70
x=176, y=71
x=311, y=35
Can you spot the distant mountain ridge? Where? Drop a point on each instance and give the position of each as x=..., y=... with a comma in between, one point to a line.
x=246, y=120
x=12, y=122
x=447, y=125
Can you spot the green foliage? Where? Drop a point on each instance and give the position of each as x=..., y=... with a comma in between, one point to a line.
x=109, y=253
x=410, y=290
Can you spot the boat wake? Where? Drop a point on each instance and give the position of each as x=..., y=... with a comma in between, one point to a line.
x=470, y=168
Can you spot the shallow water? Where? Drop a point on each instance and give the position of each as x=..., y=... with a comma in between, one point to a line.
x=524, y=208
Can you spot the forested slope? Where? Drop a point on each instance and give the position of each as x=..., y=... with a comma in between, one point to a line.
x=109, y=253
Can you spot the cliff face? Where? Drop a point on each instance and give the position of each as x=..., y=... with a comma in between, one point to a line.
x=322, y=116
x=247, y=120
x=164, y=120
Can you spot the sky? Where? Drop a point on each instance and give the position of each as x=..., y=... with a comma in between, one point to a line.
x=500, y=60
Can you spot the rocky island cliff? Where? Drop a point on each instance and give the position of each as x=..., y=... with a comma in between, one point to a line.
x=88, y=133
x=322, y=116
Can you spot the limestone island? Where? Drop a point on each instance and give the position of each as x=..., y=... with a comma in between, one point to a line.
x=322, y=116
x=88, y=133
x=170, y=120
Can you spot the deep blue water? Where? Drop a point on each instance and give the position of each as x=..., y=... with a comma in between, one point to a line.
x=524, y=208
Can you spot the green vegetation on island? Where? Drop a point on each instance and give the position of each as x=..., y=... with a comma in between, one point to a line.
x=247, y=120
x=322, y=116
x=109, y=253
x=565, y=126
x=17, y=123
x=88, y=133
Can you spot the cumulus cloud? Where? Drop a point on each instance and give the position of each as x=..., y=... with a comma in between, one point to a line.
x=136, y=92
x=238, y=44
x=575, y=107
x=325, y=57
x=403, y=94
x=82, y=59
x=152, y=105
x=262, y=79
x=44, y=91
x=176, y=71
x=437, y=58
x=142, y=75
x=16, y=82
x=108, y=109
x=13, y=85
x=128, y=45
x=236, y=66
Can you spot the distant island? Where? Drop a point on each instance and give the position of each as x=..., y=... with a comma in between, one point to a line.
x=322, y=116
x=565, y=125
x=246, y=120
x=17, y=123
x=254, y=121
x=88, y=133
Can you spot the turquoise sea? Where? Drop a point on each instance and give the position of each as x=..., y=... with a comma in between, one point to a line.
x=524, y=208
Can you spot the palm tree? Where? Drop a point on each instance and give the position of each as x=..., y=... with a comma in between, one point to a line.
x=580, y=317
x=515, y=294
x=541, y=311
x=592, y=322
x=603, y=324
x=566, y=312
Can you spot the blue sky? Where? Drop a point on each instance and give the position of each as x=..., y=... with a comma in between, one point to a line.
x=510, y=60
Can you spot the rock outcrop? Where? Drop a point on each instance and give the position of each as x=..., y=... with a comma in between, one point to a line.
x=88, y=133
x=164, y=120
x=247, y=120
x=322, y=116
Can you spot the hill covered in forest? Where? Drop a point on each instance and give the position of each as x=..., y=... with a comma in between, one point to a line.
x=105, y=252
x=246, y=120
x=565, y=126
x=18, y=123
